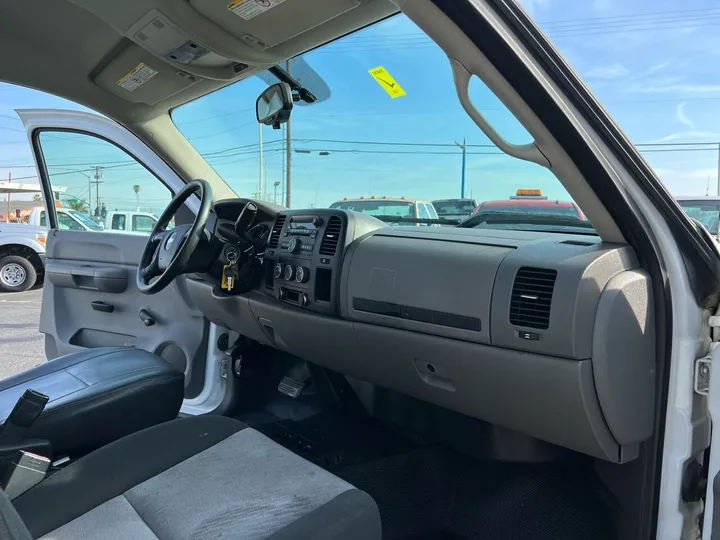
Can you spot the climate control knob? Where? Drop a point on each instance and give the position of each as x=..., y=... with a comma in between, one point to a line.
x=289, y=272
x=278, y=271
x=302, y=274
x=303, y=300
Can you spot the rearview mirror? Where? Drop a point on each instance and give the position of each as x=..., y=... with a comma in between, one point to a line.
x=274, y=105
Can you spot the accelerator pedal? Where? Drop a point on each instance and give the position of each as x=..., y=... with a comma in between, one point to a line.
x=290, y=387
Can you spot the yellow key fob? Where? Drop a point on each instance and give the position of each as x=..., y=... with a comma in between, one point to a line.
x=227, y=280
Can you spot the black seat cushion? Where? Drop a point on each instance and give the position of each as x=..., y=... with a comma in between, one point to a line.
x=193, y=478
x=97, y=396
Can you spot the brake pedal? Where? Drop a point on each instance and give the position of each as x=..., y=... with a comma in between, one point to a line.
x=290, y=387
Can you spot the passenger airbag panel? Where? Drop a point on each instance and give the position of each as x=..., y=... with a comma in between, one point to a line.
x=393, y=281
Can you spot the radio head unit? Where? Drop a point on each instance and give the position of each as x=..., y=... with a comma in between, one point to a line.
x=303, y=257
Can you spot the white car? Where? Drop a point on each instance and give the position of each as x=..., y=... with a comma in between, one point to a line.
x=22, y=256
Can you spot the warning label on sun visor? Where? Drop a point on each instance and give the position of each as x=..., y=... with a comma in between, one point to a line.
x=138, y=76
x=248, y=9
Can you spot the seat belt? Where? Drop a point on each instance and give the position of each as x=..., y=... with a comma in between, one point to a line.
x=27, y=409
x=22, y=469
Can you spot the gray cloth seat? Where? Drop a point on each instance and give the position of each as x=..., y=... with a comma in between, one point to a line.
x=195, y=479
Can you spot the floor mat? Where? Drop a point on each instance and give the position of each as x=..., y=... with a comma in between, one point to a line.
x=433, y=493
x=439, y=494
x=333, y=439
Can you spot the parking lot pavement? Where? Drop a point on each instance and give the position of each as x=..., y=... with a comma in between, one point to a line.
x=21, y=344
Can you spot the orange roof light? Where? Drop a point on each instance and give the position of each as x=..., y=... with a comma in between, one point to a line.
x=402, y=198
x=372, y=196
x=362, y=196
x=529, y=193
x=344, y=198
x=384, y=196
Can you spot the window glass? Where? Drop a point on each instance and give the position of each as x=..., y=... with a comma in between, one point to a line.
x=387, y=129
x=652, y=66
x=67, y=223
x=706, y=212
x=143, y=224
x=422, y=211
x=432, y=212
x=43, y=219
x=92, y=177
x=376, y=207
x=118, y=222
x=454, y=207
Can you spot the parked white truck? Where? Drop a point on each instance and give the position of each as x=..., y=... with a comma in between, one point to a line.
x=22, y=256
x=116, y=221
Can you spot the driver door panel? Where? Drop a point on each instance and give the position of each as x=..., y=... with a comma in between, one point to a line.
x=93, y=167
x=77, y=313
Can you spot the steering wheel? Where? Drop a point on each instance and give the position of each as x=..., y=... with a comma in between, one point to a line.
x=168, y=251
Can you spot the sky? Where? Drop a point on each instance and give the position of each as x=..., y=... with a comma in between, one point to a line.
x=651, y=64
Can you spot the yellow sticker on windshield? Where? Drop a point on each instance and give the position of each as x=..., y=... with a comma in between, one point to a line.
x=385, y=80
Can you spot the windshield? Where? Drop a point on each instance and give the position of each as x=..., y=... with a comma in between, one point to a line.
x=387, y=123
x=85, y=220
x=378, y=208
x=448, y=208
x=706, y=212
x=548, y=210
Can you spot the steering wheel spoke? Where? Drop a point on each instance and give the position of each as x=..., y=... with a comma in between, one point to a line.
x=167, y=252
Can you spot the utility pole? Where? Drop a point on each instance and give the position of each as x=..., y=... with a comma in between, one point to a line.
x=89, y=197
x=718, y=172
x=462, y=174
x=288, y=158
x=97, y=174
x=8, y=197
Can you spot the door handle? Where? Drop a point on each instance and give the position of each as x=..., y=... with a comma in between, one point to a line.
x=102, y=307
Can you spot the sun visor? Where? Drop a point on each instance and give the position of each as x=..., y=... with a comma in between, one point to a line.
x=263, y=24
x=138, y=76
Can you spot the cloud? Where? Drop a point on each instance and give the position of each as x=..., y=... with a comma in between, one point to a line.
x=680, y=88
x=614, y=71
x=682, y=118
x=653, y=69
x=689, y=181
x=658, y=67
x=712, y=135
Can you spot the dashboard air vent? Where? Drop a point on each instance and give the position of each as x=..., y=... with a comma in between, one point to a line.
x=276, y=232
x=531, y=297
x=331, y=237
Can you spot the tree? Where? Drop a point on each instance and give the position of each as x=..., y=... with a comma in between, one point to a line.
x=78, y=205
x=136, y=189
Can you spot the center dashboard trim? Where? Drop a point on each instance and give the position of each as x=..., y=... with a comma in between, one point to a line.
x=429, y=316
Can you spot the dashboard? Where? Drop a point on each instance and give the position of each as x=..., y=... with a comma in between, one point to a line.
x=551, y=335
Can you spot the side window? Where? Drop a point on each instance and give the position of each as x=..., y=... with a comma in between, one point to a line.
x=92, y=178
x=118, y=222
x=432, y=212
x=66, y=223
x=423, y=213
x=43, y=219
x=143, y=224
